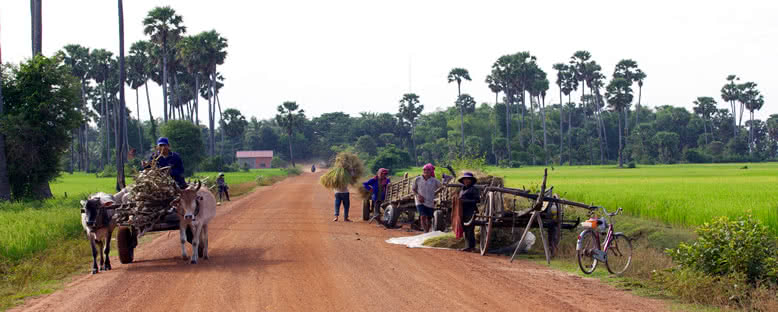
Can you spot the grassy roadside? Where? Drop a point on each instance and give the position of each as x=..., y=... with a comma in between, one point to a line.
x=42, y=243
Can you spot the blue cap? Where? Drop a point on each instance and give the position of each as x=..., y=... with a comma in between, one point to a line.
x=162, y=140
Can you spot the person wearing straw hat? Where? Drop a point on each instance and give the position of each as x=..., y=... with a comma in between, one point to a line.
x=469, y=196
x=168, y=158
x=223, y=188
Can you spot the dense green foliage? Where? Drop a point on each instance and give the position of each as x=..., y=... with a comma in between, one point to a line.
x=39, y=97
x=725, y=247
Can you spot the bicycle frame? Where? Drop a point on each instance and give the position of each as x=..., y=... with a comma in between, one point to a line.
x=602, y=247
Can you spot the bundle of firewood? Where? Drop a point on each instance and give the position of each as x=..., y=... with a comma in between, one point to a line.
x=151, y=194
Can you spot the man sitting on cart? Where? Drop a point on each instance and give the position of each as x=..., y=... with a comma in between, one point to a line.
x=168, y=158
x=377, y=186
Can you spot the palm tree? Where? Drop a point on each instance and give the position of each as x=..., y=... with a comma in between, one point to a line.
x=619, y=95
x=561, y=70
x=100, y=61
x=163, y=24
x=494, y=87
x=5, y=185
x=628, y=69
x=705, y=106
x=730, y=93
x=213, y=45
x=37, y=28
x=191, y=54
x=289, y=118
x=77, y=57
x=410, y=110
x=458, y=74
x=578, y=67
x=752, y=100
x=141, y=51
x=639, y=77
x=121, y=149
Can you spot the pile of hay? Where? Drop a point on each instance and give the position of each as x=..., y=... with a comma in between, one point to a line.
x=152, y=186
x=346, y=170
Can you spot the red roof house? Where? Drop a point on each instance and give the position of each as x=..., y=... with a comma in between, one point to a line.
x=255, y=159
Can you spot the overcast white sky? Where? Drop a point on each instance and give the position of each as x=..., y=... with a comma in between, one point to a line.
x=354, y=56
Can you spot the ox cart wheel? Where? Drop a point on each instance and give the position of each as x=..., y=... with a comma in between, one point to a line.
x=126, y=244
x=365, y=209
x=438, y=221
x=391, y=215
x=486, y=228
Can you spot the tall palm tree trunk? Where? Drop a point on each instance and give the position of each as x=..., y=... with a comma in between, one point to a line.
x=5, y=186
x=561, y=132
x=197, y=99
x=140, y=129
x=164, y=80
x=121, y=136
x=151, y=115
x=461, y=123
x=508, y=125
x=37, y=26
x=621, y=159
x=637, y=109
x=213, y=115
x=569, y=137
x=543, y=112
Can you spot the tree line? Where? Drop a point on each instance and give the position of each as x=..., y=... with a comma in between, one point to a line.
x=603, y=124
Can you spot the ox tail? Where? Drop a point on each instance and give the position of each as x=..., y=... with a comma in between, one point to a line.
x=189, y=234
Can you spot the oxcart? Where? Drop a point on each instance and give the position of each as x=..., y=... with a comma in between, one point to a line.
x=546, y=213
x=127, y=238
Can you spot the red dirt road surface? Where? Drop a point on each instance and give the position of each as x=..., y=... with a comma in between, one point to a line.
x=276, y=249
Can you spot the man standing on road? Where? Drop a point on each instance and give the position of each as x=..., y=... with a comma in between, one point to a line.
x=168, y=158
x=424, y=188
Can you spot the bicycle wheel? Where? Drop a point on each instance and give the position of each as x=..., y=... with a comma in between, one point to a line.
x=619, y=254
x=585, y=247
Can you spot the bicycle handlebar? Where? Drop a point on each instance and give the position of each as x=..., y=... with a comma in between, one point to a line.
x=605, y=211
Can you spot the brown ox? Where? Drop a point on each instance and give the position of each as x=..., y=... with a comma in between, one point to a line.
x=196, y=207
x=98, y=223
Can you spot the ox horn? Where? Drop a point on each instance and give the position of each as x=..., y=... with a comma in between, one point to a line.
x=199, y=184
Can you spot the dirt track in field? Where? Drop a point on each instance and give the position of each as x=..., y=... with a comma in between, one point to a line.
x=276, y=249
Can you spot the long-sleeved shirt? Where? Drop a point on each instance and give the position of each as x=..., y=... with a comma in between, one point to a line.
x=469, y=197
x=176, y=166
x=426, y=188
x=220, y=181
x=372, y=185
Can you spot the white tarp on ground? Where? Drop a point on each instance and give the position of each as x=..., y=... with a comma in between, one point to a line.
x=418, y=242
x=415, y=241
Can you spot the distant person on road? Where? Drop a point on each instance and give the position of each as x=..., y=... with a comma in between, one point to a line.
x=377, y=187
x=223, y=188
x=168, y=158
x=469, y=197
x=313, y=168
x=424, y=188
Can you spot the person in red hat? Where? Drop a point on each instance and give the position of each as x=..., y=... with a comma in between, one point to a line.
x=469, y=196
x=424, y=187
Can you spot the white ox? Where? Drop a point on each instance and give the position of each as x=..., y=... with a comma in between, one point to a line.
x=196, y=207
x=98, y=223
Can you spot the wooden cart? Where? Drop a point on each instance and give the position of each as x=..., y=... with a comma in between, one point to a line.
x=127, y=238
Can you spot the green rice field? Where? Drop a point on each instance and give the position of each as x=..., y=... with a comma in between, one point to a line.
x=685, y=195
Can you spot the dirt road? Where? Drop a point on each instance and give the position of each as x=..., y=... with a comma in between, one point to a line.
x=277, y=250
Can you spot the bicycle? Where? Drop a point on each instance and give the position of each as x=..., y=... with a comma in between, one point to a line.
x=615, y=251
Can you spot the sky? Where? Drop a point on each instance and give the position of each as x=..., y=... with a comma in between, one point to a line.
x=362, y=56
